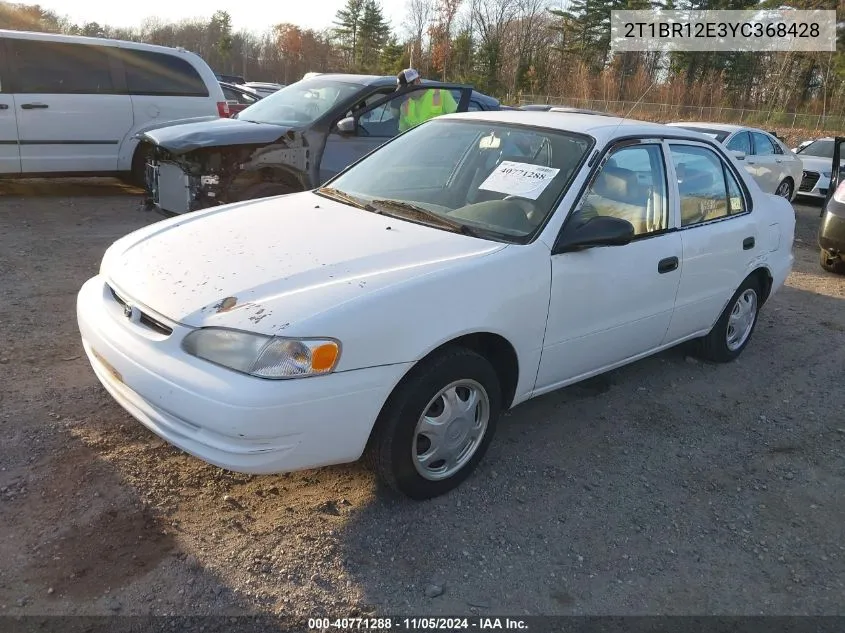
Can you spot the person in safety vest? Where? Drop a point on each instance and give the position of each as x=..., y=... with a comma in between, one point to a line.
x=422, y=105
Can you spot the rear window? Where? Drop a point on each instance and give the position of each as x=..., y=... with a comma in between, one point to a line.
x=60, y=68
x=160, y=74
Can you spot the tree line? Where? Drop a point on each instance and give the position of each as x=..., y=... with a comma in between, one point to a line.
x=506, y=48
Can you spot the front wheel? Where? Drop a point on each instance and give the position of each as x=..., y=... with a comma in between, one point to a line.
x=830, y=263
x=733, y=330
x=437, y=424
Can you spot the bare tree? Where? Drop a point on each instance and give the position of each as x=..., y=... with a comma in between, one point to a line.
x=420, y=14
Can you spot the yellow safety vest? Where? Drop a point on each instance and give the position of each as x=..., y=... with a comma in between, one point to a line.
x=431, y=104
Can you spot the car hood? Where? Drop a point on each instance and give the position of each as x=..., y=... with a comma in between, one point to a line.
x=268, y=265
x=186, y=137
x=816, y=163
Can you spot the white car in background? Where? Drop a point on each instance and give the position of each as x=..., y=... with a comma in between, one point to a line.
x=773, y=165
x=817, y=158
x=470, y=264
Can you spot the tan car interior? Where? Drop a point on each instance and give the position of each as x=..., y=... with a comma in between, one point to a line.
x=618, y=193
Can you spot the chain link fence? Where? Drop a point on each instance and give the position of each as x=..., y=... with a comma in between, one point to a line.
x=665, y=112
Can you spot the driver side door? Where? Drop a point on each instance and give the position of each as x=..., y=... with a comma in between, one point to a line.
x=376, y=122
x=612, y=304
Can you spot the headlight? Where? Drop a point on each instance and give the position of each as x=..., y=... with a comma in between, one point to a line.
x=263, y=356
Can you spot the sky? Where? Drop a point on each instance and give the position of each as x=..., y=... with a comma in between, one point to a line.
x=256, y=15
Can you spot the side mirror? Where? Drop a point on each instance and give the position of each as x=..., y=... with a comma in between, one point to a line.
x=601, y=230
x=739, y=155
x=347, y=125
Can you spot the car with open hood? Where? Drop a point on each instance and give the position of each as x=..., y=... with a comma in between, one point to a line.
x=292, y=140
x=468, y=265
x=765, y=156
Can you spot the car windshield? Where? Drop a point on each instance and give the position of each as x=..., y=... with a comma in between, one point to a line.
x=493, y=180
x=823, y=149
x=719, y=135
x=301, y=103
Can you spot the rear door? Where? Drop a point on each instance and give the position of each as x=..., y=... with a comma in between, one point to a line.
x=10, y=155
x=767, y=162
x=379, y=121
x=718, y=232
x=71, y=114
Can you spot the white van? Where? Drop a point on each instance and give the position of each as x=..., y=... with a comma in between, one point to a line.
x=70, y=106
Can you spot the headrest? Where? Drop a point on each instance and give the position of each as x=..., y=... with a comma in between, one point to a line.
x=615, y=183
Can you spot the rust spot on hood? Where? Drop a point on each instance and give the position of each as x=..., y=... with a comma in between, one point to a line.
x=226, y=304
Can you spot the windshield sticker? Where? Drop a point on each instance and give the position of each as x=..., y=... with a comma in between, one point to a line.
x=519, y=179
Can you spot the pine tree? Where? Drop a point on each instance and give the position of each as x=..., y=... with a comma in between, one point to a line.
x=347, y=28
x=373, y=34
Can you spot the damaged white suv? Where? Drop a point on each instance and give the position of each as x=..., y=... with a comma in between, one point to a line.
x=470, y=264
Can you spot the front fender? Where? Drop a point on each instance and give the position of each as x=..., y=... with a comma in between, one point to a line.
x=505, y=293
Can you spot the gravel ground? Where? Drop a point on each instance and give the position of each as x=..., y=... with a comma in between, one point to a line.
x=670, y=486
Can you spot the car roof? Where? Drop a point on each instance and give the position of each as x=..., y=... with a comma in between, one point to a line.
x=96, y=41
x=724, y=127
x=603, y=128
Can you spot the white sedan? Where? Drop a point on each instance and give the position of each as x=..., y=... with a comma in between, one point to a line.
x=770, y=162
x=470, y=264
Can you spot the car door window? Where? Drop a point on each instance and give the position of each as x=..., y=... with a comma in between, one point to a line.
x=160, y=74
x=740, y=143
x=631, y=185
x=762, y=145
x=775, y=144
x=708, y=189
x=408, y=110
x=60, y=68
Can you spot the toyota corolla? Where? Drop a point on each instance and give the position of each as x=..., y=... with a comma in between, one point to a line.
x=468, y=265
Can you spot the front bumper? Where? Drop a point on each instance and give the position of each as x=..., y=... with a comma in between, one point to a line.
x=171, y=191
x=813, y=185
x=832, y=228
x=233, y=421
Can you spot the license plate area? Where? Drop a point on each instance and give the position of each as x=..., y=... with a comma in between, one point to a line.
x=107, y=366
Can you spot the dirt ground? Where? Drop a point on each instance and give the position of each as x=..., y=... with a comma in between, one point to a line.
x=670, y=486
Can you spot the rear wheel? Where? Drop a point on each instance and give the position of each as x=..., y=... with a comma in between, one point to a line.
x=784, y=189
x=437, y=424
x=733, y=330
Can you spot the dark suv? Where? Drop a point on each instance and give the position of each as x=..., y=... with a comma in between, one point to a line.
x=292, y=140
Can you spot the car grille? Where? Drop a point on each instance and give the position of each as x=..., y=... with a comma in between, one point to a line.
x=144, y=319
x=809, y=180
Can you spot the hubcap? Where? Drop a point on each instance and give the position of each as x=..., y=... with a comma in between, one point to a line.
x=783, y=190
x=451, y=429
x=741, y=319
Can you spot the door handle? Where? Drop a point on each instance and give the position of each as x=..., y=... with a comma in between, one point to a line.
x=748, y=243
x=778, y=160
x=667, y=265
x=34, y=106
x=4, y=106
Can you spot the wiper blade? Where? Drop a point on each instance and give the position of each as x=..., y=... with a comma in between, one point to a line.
x=342, y=196
x=428, y=215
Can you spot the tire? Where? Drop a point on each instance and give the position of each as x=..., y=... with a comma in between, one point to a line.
x=396, y=449
x=831, y=264
x=785, y=189
x=137, y=176
x=265, y=190
x=715, y=346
